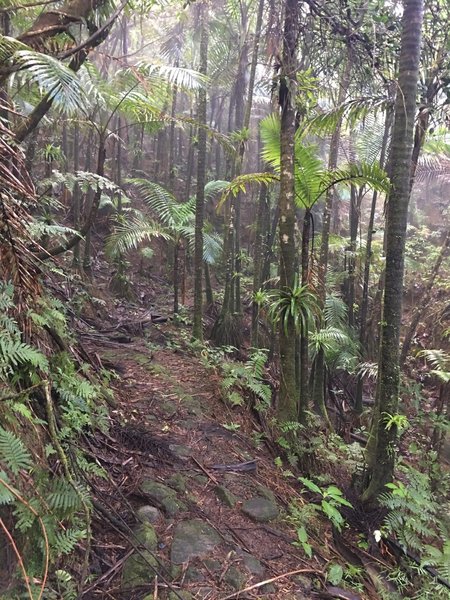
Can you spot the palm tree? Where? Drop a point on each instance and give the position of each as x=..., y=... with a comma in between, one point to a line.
x=174, y=223
x=381, y=445
x=312, y=182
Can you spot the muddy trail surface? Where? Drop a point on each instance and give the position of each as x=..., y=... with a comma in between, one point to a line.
x=194, y=506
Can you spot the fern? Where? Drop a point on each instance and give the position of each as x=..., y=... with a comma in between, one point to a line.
x=13, y=453
x=412, y=510
x=63, y=498
x=6, y=495
x=65, y=541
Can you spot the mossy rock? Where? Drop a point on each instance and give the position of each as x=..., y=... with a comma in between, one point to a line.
x=137, y=570
x=163, y=495
x=235, y=578
x=260, y=509
x=225, y=495
x=192, y=539
x=177, y=482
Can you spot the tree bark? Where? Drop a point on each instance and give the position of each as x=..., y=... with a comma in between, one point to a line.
x=197, y=330
x=381, y=446
x=287, y=404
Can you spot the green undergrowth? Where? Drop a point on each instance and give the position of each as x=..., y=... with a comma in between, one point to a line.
x=48, y=399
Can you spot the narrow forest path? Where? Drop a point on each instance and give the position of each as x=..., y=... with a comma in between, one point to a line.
x=210, y=500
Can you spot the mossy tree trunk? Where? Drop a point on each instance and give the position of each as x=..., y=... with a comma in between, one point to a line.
x=197, y=330
x=381, y=446
x=287, y=404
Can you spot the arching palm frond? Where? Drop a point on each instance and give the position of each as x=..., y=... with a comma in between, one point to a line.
x=212, y=244
x=171, y=213
x=270, y=137
x=137, y=106
x=212, y=188
x=335, y=311
x=240, y=183
x=128, y=236
x=8, y=47
x=340, y=350
x=312, y=180
x=53, y=78
x=358, y=174
x=440, y=361
x=350, y=111
x=187, y=79
x=309, y=175
x=368, y=139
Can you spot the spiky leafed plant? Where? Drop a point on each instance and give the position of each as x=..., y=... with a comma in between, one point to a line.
x=174, y=223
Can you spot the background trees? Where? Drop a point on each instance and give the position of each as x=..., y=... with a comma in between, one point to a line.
x=236, y=150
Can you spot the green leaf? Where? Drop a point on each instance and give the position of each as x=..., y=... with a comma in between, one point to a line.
x=310, y=485
x=335, y=574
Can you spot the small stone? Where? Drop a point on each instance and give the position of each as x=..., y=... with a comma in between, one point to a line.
x=148, y=514
x=252, y=564
x=235, y=578
x=260, y=509
x=194, y=575
x=183, y=452
x=194, y=538
x=213, y=565
x=266, y=493
x=269, y=588
x=225, y=495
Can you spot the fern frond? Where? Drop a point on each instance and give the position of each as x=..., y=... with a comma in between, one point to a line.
x=13, y=453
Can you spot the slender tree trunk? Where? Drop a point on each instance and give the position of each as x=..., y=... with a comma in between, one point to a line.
x=367, y=260
x=319, y=372
x=197, y=330
x=76, y=196
x=287, y=405
x=304, y=337
x=381, y=446
x=262, y=224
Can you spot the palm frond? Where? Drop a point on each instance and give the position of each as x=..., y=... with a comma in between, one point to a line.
x=187, y=79
x=350, y=112
x=212, y=188
x=212, y=244
x=240, y=184
x=171, y=213
x=130, y=235
x=335, y=311
x=52, y=77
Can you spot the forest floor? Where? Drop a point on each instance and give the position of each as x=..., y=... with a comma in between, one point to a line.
x=195, y=506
